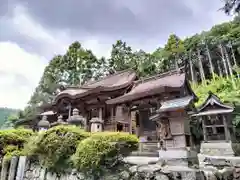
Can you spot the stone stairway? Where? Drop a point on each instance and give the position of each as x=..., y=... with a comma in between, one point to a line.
x=149, y=149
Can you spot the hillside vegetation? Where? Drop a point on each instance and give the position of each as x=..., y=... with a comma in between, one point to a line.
x=5, y=113
x=211, y=52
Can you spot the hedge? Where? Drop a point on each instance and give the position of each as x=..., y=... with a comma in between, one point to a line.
x=101, y=149
x=63, y=147
x=55, y=146
x=12, y=141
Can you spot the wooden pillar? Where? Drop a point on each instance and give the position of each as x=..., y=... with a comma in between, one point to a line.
x=227, y=133
x=100, y=113
x=130, y=120
x=113, y=121
x=204, y=129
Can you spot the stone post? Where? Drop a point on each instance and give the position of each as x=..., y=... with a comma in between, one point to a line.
x=4, y=171
x=13, y=168
x=21, y=167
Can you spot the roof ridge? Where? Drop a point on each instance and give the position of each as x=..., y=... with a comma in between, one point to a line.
x=85, y=86
x=108, y=76
x=162, y=75
x=76, y=87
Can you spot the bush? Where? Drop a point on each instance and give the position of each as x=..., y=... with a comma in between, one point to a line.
x=102, y=149
x=54, y=146
x=12, y=141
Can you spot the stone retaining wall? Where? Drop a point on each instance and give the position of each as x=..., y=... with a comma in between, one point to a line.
x=150, y=169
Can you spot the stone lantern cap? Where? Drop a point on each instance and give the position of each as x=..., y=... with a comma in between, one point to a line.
x=96, y=120
x=44, y=123
x=76, y=118
x=59, y=121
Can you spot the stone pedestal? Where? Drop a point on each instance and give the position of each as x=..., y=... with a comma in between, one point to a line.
x=217, y=148
x=178, y=157
x=211, y=150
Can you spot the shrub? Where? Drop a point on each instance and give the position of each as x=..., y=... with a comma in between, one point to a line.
x=102, y=149
x=54, y=146
x=12, y=141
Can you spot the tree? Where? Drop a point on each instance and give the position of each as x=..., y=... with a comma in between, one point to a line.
x=121, y=57
x=175, y=48
x=231, y=6
x=74, y=68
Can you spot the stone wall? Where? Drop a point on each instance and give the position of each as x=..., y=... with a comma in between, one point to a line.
x=141, y=168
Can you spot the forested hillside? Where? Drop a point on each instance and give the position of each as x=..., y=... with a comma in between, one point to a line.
x=5, y=113
x=212, y=56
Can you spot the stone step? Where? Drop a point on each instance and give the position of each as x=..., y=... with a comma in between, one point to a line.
x=149, y=147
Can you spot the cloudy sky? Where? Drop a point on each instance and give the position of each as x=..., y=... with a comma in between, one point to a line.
x=33, y=31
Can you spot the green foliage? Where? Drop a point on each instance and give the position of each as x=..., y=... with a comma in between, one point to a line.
x=231, y=6
x=5, y=113
x=227, y=89
x=55, y=146
x=79, y=65
x=224, y=88
x=174, y=45
x=12, y=141
x=63, y=147
x=102, y=149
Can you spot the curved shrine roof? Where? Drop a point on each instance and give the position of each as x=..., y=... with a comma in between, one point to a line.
x=113, y=82
x=151, y=86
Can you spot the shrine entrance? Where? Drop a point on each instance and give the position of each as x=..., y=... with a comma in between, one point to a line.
x=119, y=127
x=122, y=126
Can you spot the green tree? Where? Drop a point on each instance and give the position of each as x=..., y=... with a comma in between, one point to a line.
x=231, y=6
x=74, y=68
x=121, y=57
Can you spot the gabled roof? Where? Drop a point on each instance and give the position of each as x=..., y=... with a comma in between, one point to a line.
x=213, y=100
x=213, y=105
x=113, y=82
x=174, y=104
x=152, y=86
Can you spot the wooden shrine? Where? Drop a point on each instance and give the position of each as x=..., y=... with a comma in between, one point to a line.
x=90, y=102
x=120, y=102
x=161, y=105
x=218, y=130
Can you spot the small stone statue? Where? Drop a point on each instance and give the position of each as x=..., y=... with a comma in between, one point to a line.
x=164, y=131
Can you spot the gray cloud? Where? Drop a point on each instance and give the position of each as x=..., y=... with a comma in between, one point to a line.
x=112, y=17
x=143, y=24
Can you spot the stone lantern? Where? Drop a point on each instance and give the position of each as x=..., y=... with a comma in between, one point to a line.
x=59, y=121
x=76, y=119
x=43, y=124
x=96, y=124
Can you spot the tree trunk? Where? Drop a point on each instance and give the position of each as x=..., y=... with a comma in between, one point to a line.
x=234, y=59
x=229, y=66
x=219, y=69
x=191, y=69
x=201, y=67
x=224, y=60
x=210, y=62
